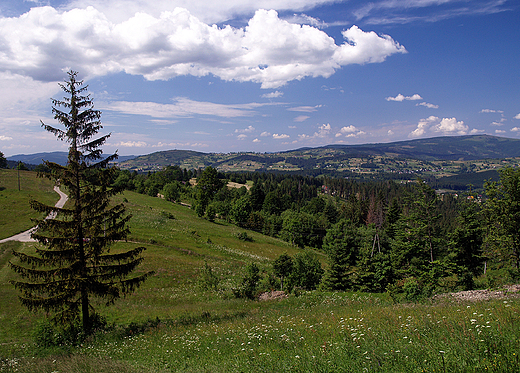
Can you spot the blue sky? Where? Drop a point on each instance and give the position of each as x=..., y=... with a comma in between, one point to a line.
x=261, y=75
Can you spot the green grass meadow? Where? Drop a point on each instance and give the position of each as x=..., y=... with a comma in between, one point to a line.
x=15, y=212
x=171, y=325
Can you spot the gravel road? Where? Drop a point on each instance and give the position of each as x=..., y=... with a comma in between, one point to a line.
x=26, y=236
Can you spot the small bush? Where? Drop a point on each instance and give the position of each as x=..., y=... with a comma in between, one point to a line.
x=47, y=334
x=249, y=286
x=211, y=212
x=498, y=277
x=412, y=290
x=135, y=328
x=409, y=290
x=167, y=215
x=207, y=279
x=269, y=282
x=243, y=236
x=193, y=319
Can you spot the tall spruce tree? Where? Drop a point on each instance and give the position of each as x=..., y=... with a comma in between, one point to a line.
x=3, y=161
x=75, y=264
x=466, y=243
x=502, y=214
x=341, y=244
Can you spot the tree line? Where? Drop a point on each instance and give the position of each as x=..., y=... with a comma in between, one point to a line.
x=378, y=235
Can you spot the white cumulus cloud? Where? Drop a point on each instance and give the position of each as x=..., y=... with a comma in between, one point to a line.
x=269, y=51
x=208, y=11
x=445, y=126
x=280, y=137
x=428, y=105
x=451, y=126
x=517, y=116
x=323, y=130
x=365, y=47
x=400, y=98
x=249, y=129
x=349, y=131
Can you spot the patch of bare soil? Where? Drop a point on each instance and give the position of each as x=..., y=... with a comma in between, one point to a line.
x=509, y=291
x=273, y=295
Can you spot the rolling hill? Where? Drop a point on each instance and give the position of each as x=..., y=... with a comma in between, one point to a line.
x=433, y=154
x=56, y=157
x=441, y=148
x=339, y=157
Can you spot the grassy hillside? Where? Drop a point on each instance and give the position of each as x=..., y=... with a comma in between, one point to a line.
x=171, y=325
x=15, y=212
x=178, y=243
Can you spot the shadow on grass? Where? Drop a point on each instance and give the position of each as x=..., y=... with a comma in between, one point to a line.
x=6, y=251
x=136, y=328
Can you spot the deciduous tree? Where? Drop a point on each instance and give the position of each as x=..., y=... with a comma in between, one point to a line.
x=208, y=184
x=306, y=271
x=283, y=266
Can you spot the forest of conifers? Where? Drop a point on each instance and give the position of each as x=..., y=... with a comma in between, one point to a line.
x=377, y=236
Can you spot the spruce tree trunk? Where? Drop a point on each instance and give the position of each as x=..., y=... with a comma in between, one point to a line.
x=85, y=316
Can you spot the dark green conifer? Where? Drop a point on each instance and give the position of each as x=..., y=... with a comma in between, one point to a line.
x=502, y=214
x=341, y=244
x=75, y=263
x=3, y=161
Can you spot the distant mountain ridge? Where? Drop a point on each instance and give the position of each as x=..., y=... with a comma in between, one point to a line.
x=449, y=148
x=471, y=147
x=55, y=157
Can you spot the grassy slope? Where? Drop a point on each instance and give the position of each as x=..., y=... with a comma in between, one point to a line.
x=180, y=247
x=15, y=212
x=213, y=332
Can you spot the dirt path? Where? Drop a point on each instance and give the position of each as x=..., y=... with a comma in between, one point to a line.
x=26, y=236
